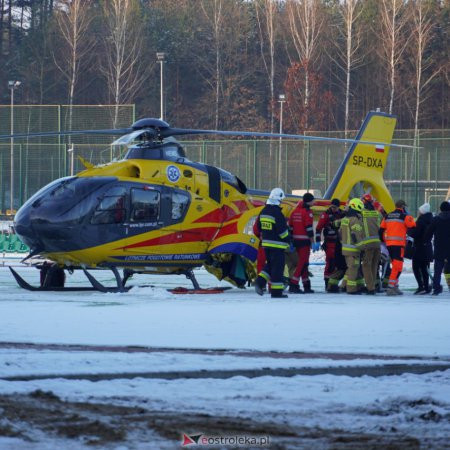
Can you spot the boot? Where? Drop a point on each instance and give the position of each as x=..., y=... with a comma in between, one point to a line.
x=278, y=293
x=391, y=291
x=294, y=289
x=260, y=285
x=333, y=289
x=437, y=291
x=307, y=287
x=397, y=289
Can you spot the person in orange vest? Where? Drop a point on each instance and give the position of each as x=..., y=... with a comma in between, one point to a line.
x=393, y=231
x=301, y=221
x=330, y=236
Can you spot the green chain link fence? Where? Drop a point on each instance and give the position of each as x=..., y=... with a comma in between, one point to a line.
x=417, y=175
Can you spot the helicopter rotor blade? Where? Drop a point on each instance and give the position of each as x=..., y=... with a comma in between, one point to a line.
x=115, y=131
x=255, y=134
x=158, y=130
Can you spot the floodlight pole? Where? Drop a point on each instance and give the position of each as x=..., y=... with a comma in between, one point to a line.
x=160, y=59
x=281, y=100
x=12, y=86
x=70, y=151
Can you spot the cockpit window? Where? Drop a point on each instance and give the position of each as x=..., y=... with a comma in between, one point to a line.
x=112, y=207
x=233, y=180
x=180, y=201
x=145, y=205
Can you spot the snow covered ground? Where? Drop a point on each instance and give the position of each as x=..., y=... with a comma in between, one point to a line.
x=195, y=360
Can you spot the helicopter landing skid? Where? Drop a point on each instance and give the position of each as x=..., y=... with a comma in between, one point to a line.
x=96, y=285
x=100, y=287
x=25, y=285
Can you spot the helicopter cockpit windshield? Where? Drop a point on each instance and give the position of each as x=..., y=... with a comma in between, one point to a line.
x=67, y=200
x=127, y=139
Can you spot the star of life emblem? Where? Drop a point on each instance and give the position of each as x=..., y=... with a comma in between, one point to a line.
x=173, y=174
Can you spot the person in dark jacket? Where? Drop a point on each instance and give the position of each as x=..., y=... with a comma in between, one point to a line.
x=423, y=250
x=274, y=235
x=440, y=230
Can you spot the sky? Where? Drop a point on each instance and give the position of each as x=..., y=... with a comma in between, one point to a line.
x=232, y=336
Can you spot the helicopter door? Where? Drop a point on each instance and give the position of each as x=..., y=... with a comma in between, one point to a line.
x=145, y=206
x=214, y=183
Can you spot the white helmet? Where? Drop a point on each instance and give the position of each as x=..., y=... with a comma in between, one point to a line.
x=276, y=196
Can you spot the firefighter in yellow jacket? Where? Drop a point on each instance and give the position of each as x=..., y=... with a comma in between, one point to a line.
x=370, y=244
x=351, y=233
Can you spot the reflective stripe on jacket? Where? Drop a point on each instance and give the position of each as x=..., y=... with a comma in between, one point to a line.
x=272, y=226
x=394, y=227
x=371, y=225
x=351, y=233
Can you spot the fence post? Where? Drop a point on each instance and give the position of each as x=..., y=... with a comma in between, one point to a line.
x=20, y=175
x=255, y=144
x=308, y=165
x=416, y=173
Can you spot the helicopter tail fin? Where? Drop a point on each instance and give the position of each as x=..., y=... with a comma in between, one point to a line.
x=365, y=163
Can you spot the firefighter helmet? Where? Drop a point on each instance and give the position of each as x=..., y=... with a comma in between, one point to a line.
x=356, y=204
x=276, y=196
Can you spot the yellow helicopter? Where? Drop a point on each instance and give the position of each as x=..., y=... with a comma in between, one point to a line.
x=156, y=211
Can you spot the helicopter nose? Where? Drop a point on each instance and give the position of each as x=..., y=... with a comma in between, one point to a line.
x=23, y=226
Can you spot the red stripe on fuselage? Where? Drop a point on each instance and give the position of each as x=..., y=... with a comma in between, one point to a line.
x=257, y=202
x=188, y=235
x=231, y=228
x=241, y=205
x=218, y=215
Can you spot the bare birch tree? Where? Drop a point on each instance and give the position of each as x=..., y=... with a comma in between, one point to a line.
x=266, y=11
x=393, y=20
x=123, y=64
x=266, y=14
x=424, y=72
x=305, y=24
x=348, y=56
x=72, y=52
x=215, y=17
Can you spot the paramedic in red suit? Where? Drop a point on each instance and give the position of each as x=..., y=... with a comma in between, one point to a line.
x=324, y=225
x=301, y=223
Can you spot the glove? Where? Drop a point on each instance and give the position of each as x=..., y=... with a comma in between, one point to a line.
x=316, y=247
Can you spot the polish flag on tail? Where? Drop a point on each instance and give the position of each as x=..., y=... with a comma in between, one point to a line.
x=379, y=148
